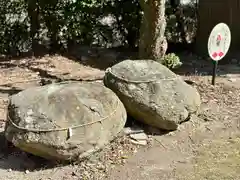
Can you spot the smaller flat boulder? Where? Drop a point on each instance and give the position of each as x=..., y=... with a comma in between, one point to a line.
x=152, y=93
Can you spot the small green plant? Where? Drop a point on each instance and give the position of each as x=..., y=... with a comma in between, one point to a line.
x=171, y=61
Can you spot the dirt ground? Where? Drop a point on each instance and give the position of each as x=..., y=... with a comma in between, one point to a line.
x=206, y=147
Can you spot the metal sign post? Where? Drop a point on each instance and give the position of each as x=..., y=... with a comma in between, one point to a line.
x=218, y=45
x=214, y=72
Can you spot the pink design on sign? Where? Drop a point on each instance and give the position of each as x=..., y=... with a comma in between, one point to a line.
x=214, y=55
x=219, y=38
x=220, y=54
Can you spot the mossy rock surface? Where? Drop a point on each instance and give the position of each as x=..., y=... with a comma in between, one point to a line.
x=64, y=121
x=152, y=93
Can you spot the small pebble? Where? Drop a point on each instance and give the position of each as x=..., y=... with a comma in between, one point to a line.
x=133, y=130
x=139, y=136
x=232, y=80
x=139, y=142
x=74, y=173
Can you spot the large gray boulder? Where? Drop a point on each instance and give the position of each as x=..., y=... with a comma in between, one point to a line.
x=65, y=121
x=152, y=93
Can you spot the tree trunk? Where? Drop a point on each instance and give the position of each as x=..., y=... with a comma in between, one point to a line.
x=180, y=24
x=33, y=13
x=153, y=43
x=178, y=11
x=49, y=11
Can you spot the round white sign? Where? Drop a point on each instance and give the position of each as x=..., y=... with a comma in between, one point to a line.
x=219, y=41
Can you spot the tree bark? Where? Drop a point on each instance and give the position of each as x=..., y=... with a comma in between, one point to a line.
x=33, y=13
x=153, y=43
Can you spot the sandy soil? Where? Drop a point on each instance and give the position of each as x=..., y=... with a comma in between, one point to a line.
x=206, y=147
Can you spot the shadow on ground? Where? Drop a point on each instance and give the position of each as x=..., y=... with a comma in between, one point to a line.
x=102, y=58
x=12, y=158
x=192, y=64
x=133, y=123
x=10, y=91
